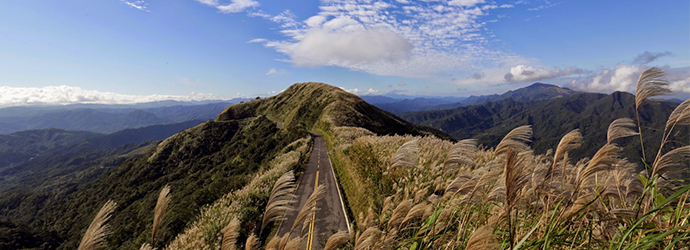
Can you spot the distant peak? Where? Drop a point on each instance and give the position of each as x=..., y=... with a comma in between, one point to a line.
x=542, y=85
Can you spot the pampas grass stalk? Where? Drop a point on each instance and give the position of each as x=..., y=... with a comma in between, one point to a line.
x=620, y=128
x=650, y=84
x=230, y=234
x=293, y=244
x=462, y=153
x=483, y=239
x=336, y=240
x=94, y=237
x=161, y=205
x=406, y=156
x=515, y=179
x=516, y=139
x=571, y=140
x=252, y=243
x=399, y=213
x=281, y=199
x=303, y=217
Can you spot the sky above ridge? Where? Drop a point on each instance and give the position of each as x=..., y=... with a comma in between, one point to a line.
x=123, y=51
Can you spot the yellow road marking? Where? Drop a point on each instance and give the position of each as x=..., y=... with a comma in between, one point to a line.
x=310, y=238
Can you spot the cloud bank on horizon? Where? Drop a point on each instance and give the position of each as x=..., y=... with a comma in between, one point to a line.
x=64, y=95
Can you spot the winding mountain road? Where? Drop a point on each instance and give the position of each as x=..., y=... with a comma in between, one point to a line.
x=330, y=216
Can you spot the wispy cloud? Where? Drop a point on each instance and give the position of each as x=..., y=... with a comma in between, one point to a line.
x=648, y=57
x=137, y=4
x=402, y=38
x=357, y=91
x=232, y=6
x=62, y=95
x=273, y=71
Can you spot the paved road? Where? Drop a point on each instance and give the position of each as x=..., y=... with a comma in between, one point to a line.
x=330, y=216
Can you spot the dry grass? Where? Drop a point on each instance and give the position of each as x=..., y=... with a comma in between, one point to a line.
x=336, y=240
x=94, y=237
x=281, y=199
x=161, y=205
x=463, y=196
x=204, y=231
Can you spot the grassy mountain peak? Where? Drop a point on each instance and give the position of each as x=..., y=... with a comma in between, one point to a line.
x=315, y=105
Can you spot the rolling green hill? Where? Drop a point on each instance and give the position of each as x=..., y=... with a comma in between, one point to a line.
x=551, y=119
x=201, y=164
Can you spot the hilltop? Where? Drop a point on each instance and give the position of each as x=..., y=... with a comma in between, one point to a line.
x=201, y=164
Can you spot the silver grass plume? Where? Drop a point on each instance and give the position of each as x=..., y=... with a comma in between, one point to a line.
x=303, y=217
x=367, y=239
x=483, y=239
x=672, y=163
x=516, y=139
x=571, y=140
x=651, y=83
x=281, y=199
x=230, y=234
x=679, y=116
x=336, y=240
x=95, y=234
x=605, y=157
x=620, y=128
x=417, y=212
x=406, y=156
x=399, y=213
x=462, y=153
x=161, y=205
x=252, y=243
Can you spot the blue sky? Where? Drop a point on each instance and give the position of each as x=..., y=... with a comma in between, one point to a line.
x=79, y=50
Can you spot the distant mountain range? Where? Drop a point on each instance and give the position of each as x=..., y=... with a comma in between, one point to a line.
x=553, y=112
x=402, y=104
x=105, y=118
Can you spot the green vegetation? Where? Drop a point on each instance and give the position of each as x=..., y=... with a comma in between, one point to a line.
x=427, y=193
x=202, y=164
x=223, y=184
x=590, y=113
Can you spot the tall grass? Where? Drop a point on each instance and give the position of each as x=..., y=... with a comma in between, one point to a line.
x=426, y=193
x=95, y=234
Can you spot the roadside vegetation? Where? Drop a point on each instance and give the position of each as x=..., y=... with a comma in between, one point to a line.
x=427, y=193
x=424, y=192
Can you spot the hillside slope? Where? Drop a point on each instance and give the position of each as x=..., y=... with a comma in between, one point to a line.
x=201, y=164
x=551, y=119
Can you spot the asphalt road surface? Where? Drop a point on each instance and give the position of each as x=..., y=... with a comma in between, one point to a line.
x=330, y=215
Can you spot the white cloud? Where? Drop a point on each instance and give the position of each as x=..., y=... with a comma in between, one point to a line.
x=682, y=85
x=209, y=2
x=273, y=71
x=233, y=6
x=347, y=48
x=406, y=38
x=624, y=78
x=237, y=6
x=257, y=40
x=137, y=4
x=524, y=73
x=465, y=3
x=357, y=91
x=62, y=95
x=518, y=73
